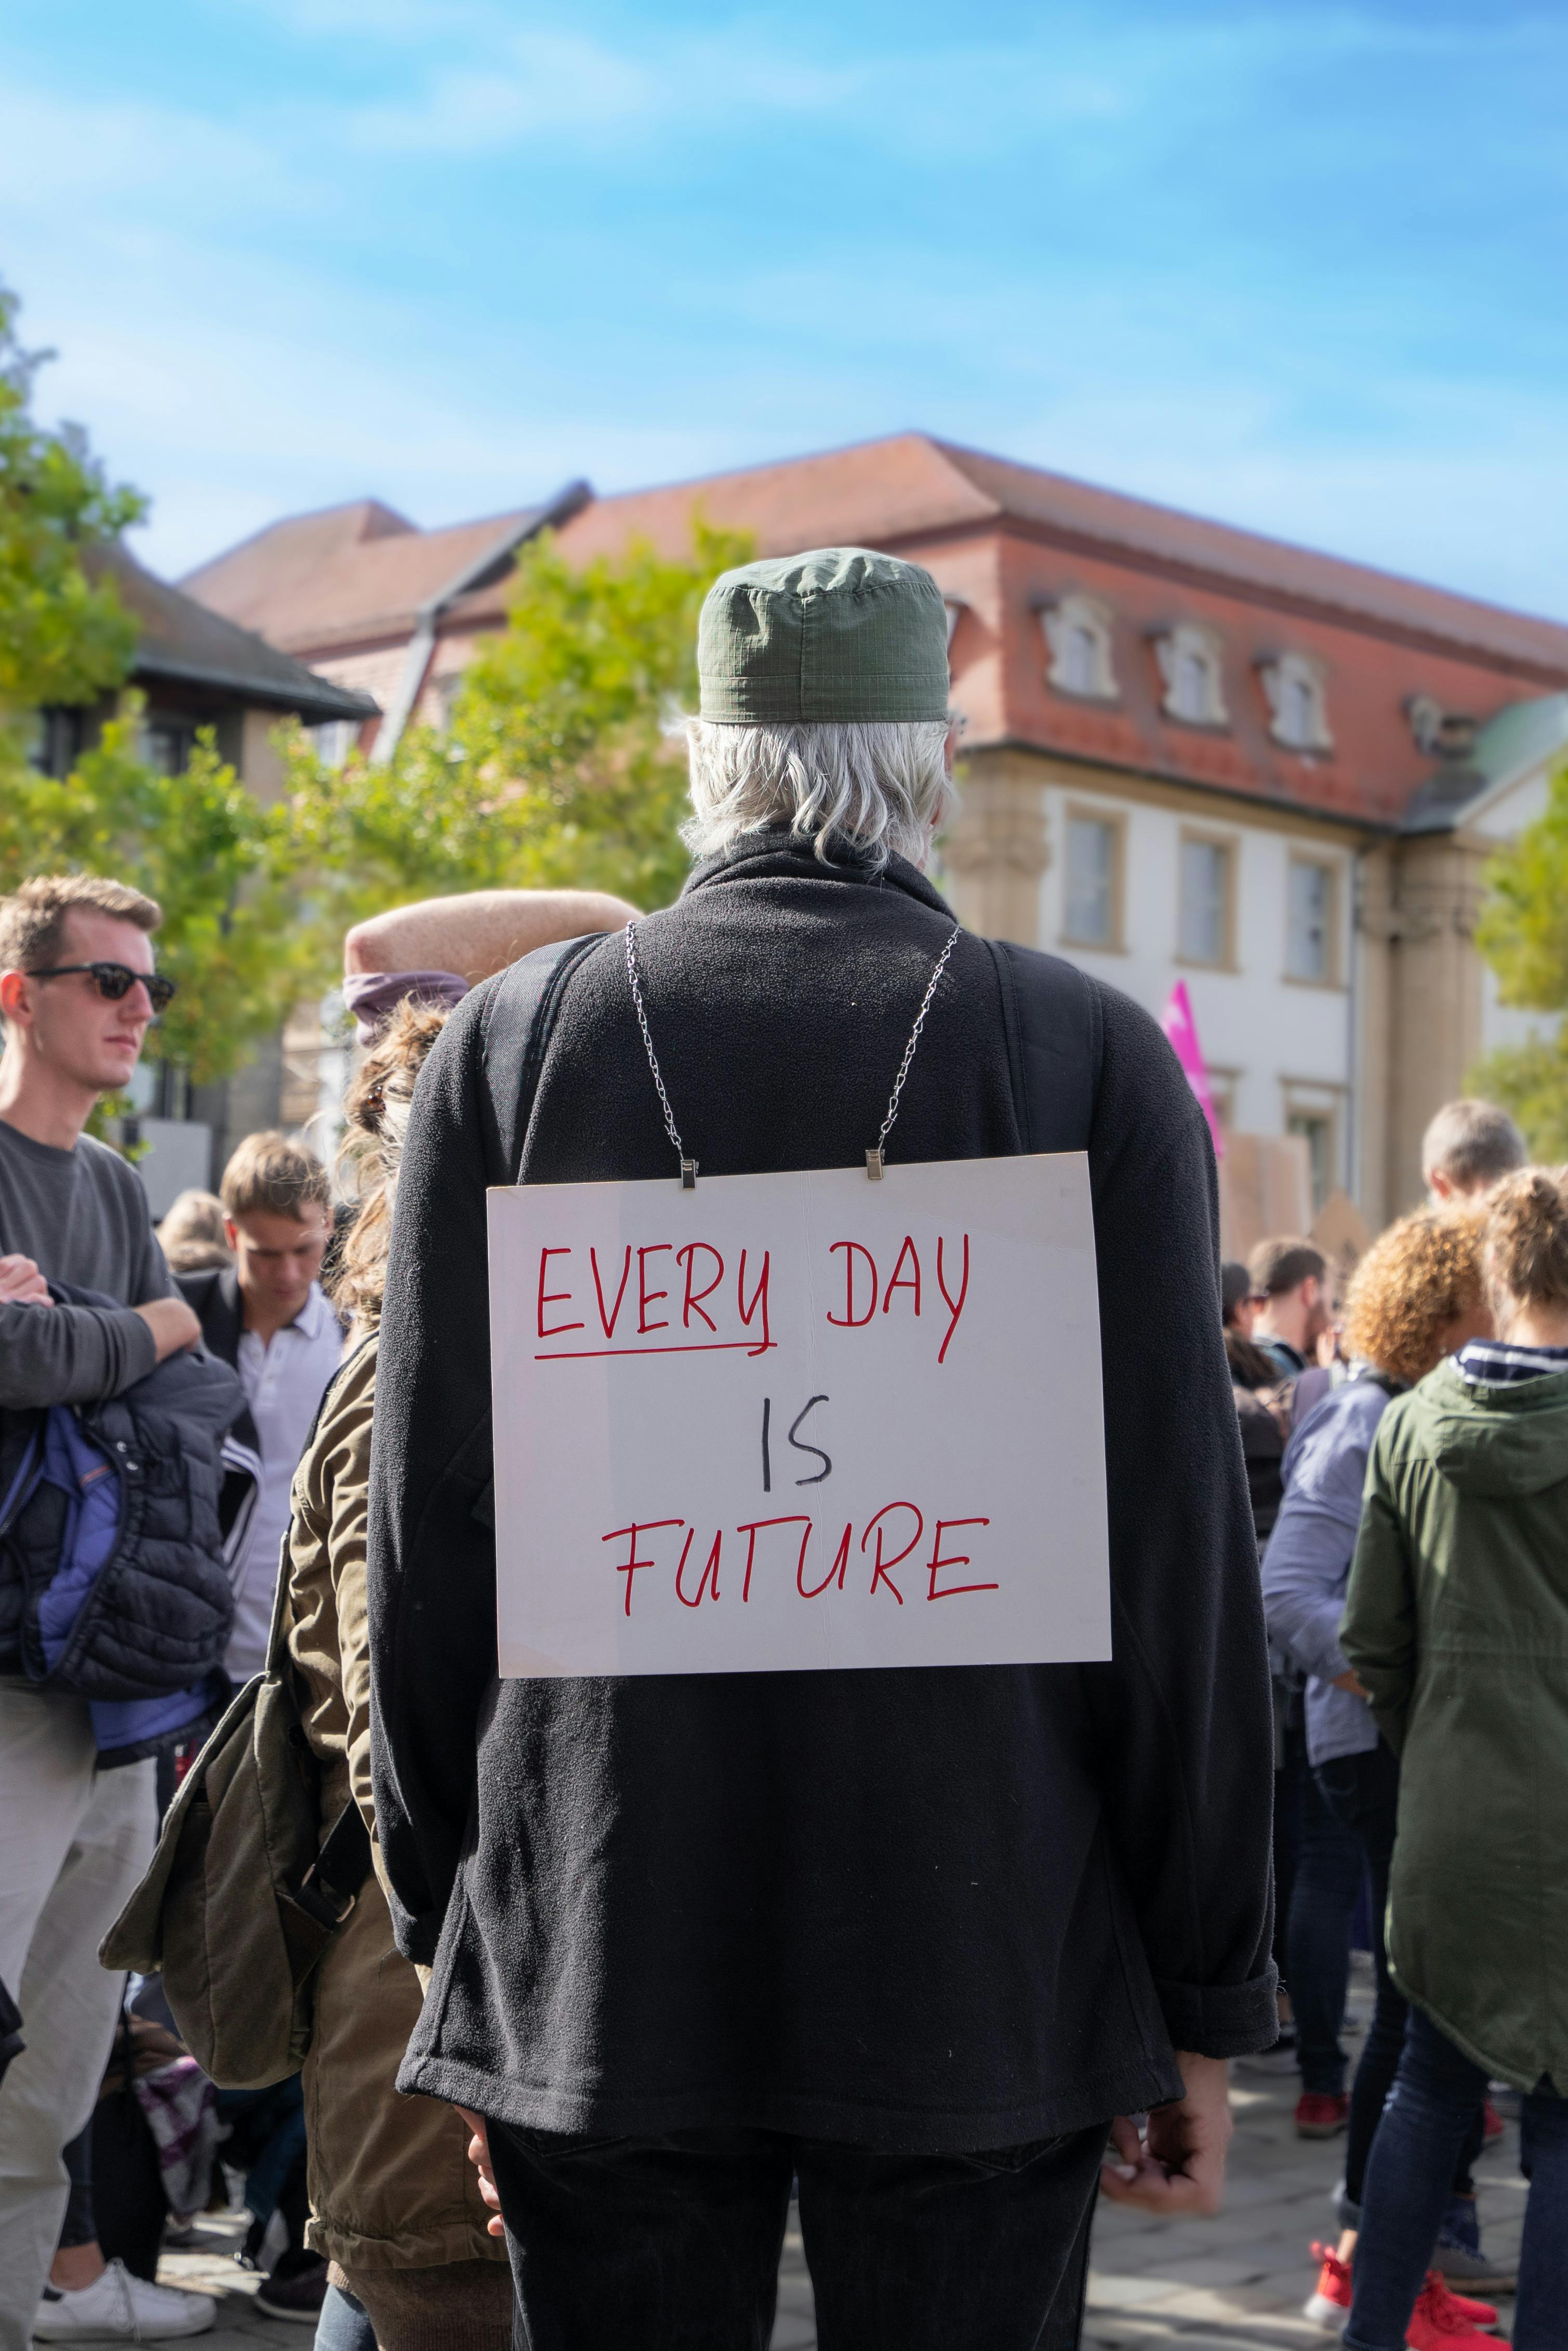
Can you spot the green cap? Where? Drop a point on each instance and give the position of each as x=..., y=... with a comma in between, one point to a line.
x=840, y=637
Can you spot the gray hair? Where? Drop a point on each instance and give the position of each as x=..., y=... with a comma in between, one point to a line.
x=1473, y=1143
x=881, y=786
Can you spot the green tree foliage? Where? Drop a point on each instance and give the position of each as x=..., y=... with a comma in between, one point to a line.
x=1523, y=935
x=63, y=639
x=227, y=873
x=559, y=768
x=236, y=938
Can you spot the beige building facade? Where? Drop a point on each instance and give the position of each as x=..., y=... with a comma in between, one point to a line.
x=1191, y=754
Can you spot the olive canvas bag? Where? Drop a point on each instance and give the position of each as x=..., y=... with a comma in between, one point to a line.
x=244, y=1893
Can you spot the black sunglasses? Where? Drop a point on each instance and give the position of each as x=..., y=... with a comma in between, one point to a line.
x=113, y=980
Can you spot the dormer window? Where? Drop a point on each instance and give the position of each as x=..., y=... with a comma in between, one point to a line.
x=1298, y=714
x=1078, y=639
x=1440, y=734
x=1190, y=665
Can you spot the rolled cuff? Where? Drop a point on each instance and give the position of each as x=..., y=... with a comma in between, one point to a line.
x=1222, y=2020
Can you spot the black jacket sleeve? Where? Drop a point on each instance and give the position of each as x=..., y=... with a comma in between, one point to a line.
x=1183, y=1716
x=432, y=1563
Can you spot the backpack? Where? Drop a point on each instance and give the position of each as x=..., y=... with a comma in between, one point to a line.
x=114, y=1569
x=244, y=1893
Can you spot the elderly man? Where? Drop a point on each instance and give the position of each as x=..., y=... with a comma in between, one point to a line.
x=917, y=1937
x=1469, y=1148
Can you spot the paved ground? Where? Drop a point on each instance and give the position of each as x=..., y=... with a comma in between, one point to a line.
x=1234, y=2284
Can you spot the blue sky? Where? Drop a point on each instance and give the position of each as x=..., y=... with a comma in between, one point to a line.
x=1302, y=268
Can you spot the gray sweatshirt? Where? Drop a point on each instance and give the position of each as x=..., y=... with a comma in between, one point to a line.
x=82, y=1215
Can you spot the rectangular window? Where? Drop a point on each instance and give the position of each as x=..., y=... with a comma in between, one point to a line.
x=1315, y=1128
x=1093, y=852
x=1310, y=922
x=334, y=740
x=1206, y=884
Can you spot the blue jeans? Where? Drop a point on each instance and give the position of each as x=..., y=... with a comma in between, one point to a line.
x=1431, y=2107
x=1329, y=1869
x=673, y=2244
x=344, y=2324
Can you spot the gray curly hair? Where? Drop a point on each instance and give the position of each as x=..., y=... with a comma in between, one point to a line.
x=880, y=787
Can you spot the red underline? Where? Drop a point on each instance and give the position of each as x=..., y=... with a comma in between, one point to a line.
x=691, y=1347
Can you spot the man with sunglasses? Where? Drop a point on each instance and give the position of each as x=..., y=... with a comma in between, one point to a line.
x=77, y=991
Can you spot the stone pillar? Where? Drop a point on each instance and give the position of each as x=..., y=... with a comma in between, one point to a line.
x=1437, y=994
x=996, y=851
x=1375, y=924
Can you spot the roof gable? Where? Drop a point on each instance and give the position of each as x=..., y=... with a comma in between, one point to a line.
x=178, y=638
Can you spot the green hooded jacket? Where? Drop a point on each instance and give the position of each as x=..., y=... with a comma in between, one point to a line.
x=1456, y=1620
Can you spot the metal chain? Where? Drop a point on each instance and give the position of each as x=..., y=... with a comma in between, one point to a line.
x=914, y=1040
x=874, y=1156
x=670, y=1127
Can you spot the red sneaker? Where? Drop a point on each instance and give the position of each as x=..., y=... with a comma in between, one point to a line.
x=1473, y=2312
x=1492, y=2123
x=1328, y=2304
x=1320, y=2115
x=1438, y=2322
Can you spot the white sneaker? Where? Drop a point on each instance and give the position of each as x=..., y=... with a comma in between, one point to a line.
x=120, y=2308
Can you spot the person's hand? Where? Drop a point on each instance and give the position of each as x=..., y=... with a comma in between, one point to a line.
x=171, y=1324
x=1350, y=1681
x=1177, y=2169
x=21, y=1283
x=479, y=2157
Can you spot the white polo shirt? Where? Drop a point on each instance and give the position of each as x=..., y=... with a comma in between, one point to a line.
x=284, y=1383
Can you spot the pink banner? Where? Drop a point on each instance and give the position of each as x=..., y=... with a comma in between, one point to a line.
x=1179, y=1026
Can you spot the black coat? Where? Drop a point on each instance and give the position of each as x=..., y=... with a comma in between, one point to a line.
x=156, y=1616
x=213, y=1297
x=954, y=1908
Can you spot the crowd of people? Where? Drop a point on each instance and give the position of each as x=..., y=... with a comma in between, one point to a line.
x=1397, y=1605
x=599, y=1970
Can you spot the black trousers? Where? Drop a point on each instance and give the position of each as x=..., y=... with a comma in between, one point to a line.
x=648, y=2244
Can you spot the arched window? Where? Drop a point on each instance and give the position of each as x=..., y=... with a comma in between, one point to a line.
x=1189, y=660
x=1298, y=714
x=1078, y=640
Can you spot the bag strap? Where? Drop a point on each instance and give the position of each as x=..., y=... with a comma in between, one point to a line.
x=326, y=1893
x=1055, y=1041
x=22, y=1484
x=515, y=1030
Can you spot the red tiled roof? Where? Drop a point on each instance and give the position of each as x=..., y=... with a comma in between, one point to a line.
x=1003, y=540
x=343, y=576
x=915, y=486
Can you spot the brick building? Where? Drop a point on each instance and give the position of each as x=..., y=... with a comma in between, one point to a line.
x=1191, y=752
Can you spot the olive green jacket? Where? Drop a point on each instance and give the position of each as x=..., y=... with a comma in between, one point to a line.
x=1456, y=1620
x=390, y=2185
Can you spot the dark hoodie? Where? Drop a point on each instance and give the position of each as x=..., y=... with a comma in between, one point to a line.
x=952, y=1907
x=1457, y=1621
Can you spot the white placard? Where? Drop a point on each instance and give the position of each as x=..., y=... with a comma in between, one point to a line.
x=799, y=1421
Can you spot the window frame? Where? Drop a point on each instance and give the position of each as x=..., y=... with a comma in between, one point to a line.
x=1172, y=646
x=1075, y=612
x=1282, y=672
x=1331, y=976
x=1115, y=821
x=1195, y=835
